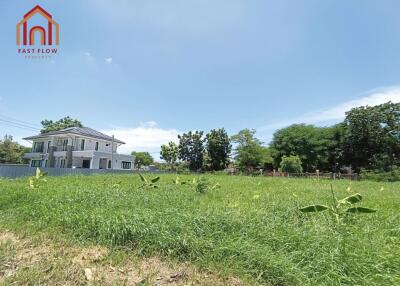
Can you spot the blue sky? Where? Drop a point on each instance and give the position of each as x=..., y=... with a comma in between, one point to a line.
x=148, y=70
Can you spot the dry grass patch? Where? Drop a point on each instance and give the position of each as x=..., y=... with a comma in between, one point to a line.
x=44, y=262
x=7, y=237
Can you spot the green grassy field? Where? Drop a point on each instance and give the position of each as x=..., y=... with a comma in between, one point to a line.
x=249, y=227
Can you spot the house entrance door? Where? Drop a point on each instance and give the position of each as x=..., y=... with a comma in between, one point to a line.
x=103, y=163
x=86, y=164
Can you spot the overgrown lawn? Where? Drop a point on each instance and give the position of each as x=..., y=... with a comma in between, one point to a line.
x=249, y=227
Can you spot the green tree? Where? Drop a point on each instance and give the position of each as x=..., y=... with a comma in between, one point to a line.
x=291, y=164
x=50, y=125
x=334, y=148
x=267, y=162
x=249, y=153
x=11, y=152
x=191, y=149
x=218, y=149
x=372, y=138
x=317, y=147
x=169, y=153
x=142, y=159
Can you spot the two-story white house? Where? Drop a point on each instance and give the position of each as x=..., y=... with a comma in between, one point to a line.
x=77, y=147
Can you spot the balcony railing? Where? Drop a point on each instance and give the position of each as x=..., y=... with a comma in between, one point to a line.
x=57, y=149
x=64, y=148
x=61, y=148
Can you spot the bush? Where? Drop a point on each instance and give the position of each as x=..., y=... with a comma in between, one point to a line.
x=291, y=164
x=381, y=176
x=182, y=168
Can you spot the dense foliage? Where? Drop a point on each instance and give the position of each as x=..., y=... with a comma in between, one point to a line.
x=291, y=164
x=50, y=125
x=249, y=152
x=218, y=149
x=317, y=147
x=369, y=138
x=142, y=159
x=372, y=138
x=12, y=152
x=383, y=176
x=169, y=153
x=191, y=149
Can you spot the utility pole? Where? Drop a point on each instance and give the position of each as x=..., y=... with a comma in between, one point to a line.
x=112, y=153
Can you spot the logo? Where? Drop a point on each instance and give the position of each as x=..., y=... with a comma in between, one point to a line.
x=38, y=41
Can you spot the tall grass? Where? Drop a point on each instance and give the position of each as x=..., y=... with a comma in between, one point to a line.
x=250, y=227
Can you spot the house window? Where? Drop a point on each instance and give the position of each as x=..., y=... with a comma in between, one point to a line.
x=48, y=146
x=126, y=165
x=82, y=144
x=109, y=164
x=38, y=147
x=46, y=163
x=96, y=146
x=36, y=163
x=62, y=163
x=65, y=143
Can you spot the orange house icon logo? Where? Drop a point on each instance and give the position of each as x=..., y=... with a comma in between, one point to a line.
x=46, y=35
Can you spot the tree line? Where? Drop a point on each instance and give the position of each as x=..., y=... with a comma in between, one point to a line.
x=200, y=152
x=368, y=138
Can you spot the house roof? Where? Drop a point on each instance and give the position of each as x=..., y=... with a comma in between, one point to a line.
x=83, y=131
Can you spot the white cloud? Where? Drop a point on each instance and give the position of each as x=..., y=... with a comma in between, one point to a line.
x=373, y=98
x=22, y=141
x=145, y=137
x=108, y=60
x=337, y=113
x=88, y=56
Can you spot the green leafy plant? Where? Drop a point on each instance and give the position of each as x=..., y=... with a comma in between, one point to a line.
x=341, y=213
x=339, y=208
x=200, y=185
x=149, y=183
x=178, y=181
x=36, y=181
x=203, y=185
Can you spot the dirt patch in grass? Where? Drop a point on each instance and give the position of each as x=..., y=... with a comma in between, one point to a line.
x=90, y=255
x=7, y=237
x=42, y=261
x=153, y=271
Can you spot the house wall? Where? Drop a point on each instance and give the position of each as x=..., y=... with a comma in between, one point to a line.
x=118, y=159
x=90, y=143
x=95, y=161
x=77, y=162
